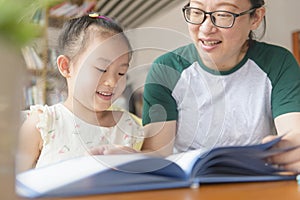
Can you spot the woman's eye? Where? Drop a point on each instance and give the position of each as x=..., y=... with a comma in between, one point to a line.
x=121, y=74
x=224, y=15
x=196, y=12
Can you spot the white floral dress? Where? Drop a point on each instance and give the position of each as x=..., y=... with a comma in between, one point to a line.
x=66, y=136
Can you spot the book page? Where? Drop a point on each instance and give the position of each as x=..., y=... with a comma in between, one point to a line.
x=239, y=160
x=68, y=171
x=103, y=170
x=197, y=161
x=186, y=160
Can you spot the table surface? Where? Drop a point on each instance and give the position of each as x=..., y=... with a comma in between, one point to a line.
x=262, y=190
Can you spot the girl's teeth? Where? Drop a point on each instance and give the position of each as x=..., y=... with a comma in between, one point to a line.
x=105, y=94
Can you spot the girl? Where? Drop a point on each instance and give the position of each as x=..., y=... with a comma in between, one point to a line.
x=95, y=55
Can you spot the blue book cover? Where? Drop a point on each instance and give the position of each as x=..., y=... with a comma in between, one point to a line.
x=135, y=172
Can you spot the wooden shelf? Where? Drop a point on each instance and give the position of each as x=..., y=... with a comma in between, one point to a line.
x=296, y=45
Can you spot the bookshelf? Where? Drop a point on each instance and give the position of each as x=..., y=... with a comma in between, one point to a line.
x=35, y=58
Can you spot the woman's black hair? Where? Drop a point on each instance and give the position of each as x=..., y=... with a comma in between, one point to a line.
x=74, y=34
x=258, y=4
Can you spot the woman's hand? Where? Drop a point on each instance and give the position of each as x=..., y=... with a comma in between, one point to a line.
x=288, y=160
x=112, y=149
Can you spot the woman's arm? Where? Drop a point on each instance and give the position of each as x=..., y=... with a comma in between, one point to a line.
x=160, y=138
x=29, y=144
x=288, y=124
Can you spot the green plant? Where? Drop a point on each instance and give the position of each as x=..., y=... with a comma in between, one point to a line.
x=15, y=19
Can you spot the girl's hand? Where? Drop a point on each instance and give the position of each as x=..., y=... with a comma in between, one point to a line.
x=112, y=149
x=288, y=160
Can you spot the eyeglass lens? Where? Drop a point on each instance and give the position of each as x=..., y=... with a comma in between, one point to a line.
x=218, y=18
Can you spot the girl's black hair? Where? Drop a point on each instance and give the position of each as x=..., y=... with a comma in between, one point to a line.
x=74, y=34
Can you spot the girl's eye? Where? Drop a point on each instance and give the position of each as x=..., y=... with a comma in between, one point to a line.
x=121, y=74
x=101, y=70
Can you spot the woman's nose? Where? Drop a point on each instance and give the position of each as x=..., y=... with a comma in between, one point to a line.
x=207, y=26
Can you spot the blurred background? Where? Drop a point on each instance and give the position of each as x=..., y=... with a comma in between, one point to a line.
x=153, y=27
x=28, y=36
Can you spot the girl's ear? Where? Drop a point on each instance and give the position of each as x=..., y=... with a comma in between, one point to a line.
x=63, y=63
x=258, y=17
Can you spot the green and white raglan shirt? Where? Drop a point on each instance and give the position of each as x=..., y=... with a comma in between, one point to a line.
x=213, y=108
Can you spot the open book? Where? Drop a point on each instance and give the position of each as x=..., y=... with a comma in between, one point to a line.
x=133, y=172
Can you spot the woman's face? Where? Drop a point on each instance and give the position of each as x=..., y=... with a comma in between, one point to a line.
x=222, y=48
x=101, y=75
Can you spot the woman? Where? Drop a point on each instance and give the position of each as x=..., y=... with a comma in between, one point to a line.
x=224, y=89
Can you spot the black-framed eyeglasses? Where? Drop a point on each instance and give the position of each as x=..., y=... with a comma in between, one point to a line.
x=219, y=18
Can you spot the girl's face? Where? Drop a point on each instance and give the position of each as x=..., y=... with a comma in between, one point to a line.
x=100, y=73
x=221, y=48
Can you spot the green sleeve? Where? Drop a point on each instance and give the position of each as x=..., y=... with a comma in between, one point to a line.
x=286, y=87
x=158, y=102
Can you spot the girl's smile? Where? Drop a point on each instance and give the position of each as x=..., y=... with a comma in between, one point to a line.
x=107, y=96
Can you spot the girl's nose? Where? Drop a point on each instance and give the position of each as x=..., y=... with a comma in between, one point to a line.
x=110, y=80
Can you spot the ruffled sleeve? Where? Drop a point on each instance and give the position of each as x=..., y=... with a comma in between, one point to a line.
x=45, y=122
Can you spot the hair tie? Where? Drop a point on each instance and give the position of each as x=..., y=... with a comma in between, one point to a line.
x=96, y=15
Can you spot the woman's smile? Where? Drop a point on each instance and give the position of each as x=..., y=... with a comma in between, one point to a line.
x=209, y=44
